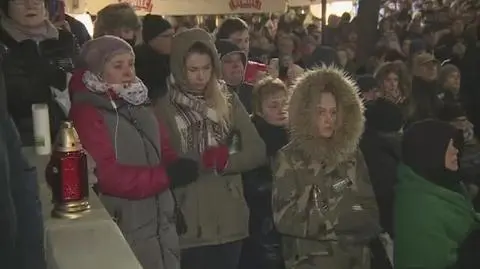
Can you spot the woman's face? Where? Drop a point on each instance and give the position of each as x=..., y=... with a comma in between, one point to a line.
x=453, y=82
x=199, y=70
x=326, y=115
x=390, y=86
x=27, y=13
x=120, y=69
x=274, y=109
x=451, y=157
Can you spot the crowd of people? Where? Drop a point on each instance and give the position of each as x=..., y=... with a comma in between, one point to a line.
x=260, y=143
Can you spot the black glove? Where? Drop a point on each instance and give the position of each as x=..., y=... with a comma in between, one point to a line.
x=182, y=172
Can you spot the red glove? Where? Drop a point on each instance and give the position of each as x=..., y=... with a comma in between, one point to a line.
x=215, y=158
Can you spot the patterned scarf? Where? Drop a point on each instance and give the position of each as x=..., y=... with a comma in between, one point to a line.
x=200, y=126
x=135, y=93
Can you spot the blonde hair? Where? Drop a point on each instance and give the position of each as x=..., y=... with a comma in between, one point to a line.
x=265, y=88
x=217, y=95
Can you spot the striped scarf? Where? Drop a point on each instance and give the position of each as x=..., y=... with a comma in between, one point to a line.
x=199, y=125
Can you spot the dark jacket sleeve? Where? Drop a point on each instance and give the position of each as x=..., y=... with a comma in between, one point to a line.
x=124, y=181
x=382, y=169
x=7, y=208
x=29, y=249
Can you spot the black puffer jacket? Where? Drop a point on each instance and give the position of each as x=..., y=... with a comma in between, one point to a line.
x=31, y=68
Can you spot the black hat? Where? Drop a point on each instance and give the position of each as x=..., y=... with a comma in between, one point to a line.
x=154, y=25
x=226, y=47
x=424, y=146
x=384, y=116
x=366, y=83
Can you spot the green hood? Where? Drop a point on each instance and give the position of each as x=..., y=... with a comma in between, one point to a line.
x=412, y=183
x=431, y=222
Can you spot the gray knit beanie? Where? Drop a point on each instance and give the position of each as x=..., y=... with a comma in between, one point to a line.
x=96, y=52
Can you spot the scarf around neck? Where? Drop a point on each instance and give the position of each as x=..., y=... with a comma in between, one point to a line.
x=135, y=93
x=20, y=33
x=199, y=125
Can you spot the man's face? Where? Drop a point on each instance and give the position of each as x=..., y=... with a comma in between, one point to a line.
x=241, y=39
x=163, y=42
x=233, y=68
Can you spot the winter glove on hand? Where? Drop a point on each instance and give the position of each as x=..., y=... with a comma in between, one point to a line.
x=215, y=158
x=182, y=172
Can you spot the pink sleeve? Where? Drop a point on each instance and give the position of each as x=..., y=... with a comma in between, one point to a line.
x=119, y=180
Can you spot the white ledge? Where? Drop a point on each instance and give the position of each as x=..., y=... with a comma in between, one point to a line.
x=90, y=242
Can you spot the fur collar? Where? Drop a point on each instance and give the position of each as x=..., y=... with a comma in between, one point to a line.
x=302, y=111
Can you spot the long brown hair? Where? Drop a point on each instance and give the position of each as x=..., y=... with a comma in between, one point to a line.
x=399, y=69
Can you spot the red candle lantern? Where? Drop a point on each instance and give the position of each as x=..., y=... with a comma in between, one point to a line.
x=67, y=174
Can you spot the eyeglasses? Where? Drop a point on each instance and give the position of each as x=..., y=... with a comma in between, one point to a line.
x=24, y=2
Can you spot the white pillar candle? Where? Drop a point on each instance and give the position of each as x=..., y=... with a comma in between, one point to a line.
x=41, y=129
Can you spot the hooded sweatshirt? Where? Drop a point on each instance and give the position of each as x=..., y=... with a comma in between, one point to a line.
x=433, y=217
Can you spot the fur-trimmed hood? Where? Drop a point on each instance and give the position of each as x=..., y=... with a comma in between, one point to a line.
x=350, y=121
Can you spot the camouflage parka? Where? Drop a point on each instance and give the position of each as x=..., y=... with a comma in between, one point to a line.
x=323, y=201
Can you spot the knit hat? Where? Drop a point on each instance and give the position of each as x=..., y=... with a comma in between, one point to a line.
x=445, y=71
x=384, y=116
x=96, y=52
x=154, y=25
x=366, y=83
x=226, y=47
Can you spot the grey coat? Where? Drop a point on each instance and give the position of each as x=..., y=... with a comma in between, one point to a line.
x=148, y=224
